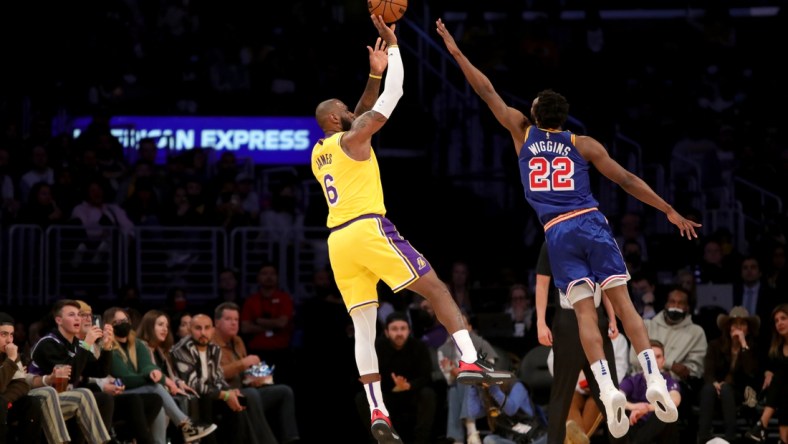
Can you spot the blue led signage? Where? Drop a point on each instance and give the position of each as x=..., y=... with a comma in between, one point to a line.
x=266, y=140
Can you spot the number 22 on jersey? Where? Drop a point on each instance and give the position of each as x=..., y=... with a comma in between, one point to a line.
x=551, y=176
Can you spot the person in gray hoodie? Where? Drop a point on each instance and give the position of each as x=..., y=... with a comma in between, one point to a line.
x=685, y=349
x=685, y=341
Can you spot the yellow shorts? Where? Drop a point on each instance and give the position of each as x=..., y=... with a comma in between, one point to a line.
x=368, y=249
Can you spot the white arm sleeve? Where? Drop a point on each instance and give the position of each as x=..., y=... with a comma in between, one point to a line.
x=392, y=90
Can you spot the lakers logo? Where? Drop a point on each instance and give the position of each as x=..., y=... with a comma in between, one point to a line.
x=421, y=263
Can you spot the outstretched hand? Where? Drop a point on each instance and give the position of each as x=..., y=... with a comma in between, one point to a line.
x=378, y=59
x=451, y=45
x=686, y=226
x=386, y=32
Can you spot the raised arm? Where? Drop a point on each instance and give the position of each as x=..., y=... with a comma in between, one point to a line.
x=358, y=140
x=512, y=119
x=378, y=60
x=594, y=152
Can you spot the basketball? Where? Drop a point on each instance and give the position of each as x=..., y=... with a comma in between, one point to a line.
x=391, y=10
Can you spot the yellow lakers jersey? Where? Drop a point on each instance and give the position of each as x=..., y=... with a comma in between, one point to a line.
x=352, y=188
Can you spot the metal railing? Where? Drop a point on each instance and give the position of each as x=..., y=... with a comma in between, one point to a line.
x=24, y=265
x=82, y=261
x=296, y=251
x=63, y=260
x=189, y=258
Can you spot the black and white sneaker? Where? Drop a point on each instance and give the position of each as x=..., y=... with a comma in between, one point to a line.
x=481, y=371
x=193, y=432
x=756, y=433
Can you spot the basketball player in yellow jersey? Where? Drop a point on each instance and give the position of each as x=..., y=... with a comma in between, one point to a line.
x=365, y=247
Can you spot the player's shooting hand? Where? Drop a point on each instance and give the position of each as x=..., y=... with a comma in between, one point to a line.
x=686, y=226
x=386, y=32
x=448, y=40
x=544, y=334
x=378, y=59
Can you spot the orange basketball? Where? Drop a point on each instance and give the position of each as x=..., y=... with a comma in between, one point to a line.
x=391, y=10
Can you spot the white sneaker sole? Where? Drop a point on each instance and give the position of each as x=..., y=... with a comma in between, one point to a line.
x=615, y=410
x=664, y=407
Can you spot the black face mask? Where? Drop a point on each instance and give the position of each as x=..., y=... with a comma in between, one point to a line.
x=122, y=330
x=675, y=315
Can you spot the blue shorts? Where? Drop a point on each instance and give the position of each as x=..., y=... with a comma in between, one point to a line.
x=582, y=249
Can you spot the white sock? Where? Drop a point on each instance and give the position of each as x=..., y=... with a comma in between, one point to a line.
x=375, y=397
x=470, y=427
x=648, y=362
x=463, y=341
x=602, y=375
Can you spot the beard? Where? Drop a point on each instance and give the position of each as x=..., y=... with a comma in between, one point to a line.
x=346, y=123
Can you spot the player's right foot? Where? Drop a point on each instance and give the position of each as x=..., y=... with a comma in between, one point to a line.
x=658, y=396
x=615, y=404
x=382, y=429
x=481, y=371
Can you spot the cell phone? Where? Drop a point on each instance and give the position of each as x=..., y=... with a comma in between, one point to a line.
x=242, y=401
x=97, y=321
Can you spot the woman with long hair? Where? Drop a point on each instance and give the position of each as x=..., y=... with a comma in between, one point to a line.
x=730, y=371
x=131, y=363
x=154, y=331
x=775, y=381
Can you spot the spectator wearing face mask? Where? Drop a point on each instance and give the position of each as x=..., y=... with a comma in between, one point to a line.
x=685, y=341
x=685, y=346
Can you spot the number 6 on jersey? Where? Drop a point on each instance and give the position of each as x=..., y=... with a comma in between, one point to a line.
x=331, y=192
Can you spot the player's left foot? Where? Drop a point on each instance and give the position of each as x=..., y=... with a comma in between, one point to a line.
x=658, y=396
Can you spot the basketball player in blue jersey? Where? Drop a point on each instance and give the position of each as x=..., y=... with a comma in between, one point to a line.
x=583, y=253
x=364, y=246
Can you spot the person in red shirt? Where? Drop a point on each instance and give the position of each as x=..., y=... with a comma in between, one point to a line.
x=267, y=320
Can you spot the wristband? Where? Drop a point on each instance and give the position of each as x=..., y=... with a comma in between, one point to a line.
x=85, y=345
x=226, y=395
x=373, y=76
x=44, y=380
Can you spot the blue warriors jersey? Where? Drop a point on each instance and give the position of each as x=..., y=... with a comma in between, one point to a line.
x=554, y=174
